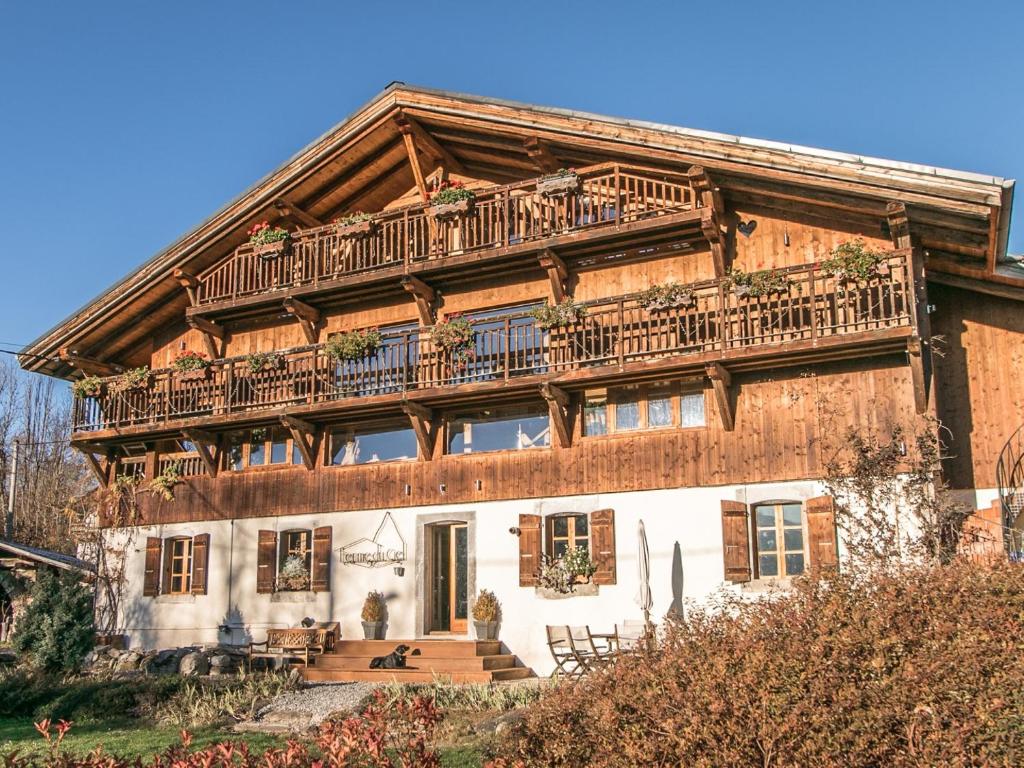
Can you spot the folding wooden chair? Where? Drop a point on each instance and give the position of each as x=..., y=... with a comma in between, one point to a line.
x=567, y=659
x=590, y=654
x=629, y=634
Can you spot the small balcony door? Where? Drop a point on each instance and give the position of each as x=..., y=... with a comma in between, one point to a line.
x=449, y=578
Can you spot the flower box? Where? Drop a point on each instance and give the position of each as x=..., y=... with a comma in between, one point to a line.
x=558, y=185
x=357, y=230
x=454, y=210
x=268, y=251
x=196, y=374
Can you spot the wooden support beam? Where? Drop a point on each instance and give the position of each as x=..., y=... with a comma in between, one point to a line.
x=540, y=154
x=427, y=144
x=414, y=161
x=207, y=446
x=422, y=420
x=292, y=210
x=425, y=297
x=558, y=410
x=306, y=437
x=710, y=198
x=899, y=225
x=190, y=283
x=918, y=374
x=212, y=333
x=101, y=467
x=309, y=317
x=558, y=274
x=721, y=382
x=88, y=365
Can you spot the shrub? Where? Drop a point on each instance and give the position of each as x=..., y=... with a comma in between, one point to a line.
x=56, y=629
x=911, y=668
x=163, y=484
x=203, y=703
x=88, y=386
x=486, y=607
x=373, y=607
x=853, y=262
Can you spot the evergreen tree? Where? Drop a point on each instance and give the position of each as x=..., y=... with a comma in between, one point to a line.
x=56, y=629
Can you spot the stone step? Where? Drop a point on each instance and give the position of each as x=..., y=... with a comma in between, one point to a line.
x=320, y=675
x=438, y=649
x=424, y=663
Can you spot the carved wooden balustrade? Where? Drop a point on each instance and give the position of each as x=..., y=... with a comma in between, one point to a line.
x=815, y=311
x=608, y=195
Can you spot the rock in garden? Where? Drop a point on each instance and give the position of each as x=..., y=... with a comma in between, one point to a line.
x=194, y=664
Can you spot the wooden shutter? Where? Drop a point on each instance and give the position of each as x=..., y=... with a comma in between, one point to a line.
x=735, y=541
x=321, y=576
x=529, y=549
x=602, y=545
x=822, y=548
x=151, y=579
x=266, y=562
x=200, y=563
x=165, y=578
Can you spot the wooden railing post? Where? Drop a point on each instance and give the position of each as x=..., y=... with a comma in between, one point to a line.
x=508, y=345
x=229, y=385
x=812, y=277
x=622, y=332
x=723, y=328
x=618, y=196
x=406, y=235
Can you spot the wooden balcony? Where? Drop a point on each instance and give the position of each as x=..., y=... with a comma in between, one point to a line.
x=816, y=318
x=517, y=217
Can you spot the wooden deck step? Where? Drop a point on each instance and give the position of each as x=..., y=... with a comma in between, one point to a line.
x=317, y=674
x=424, y=663
x=444, y=649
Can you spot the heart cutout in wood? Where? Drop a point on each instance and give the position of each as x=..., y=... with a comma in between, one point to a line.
x=746, y=228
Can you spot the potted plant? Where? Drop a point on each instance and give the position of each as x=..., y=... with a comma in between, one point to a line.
x=757, y=284
x=486, y=612
x=353, y=345
x=578, y=565
x=89, y=386
x=294, y=576
x=560, y=183
x=132, y=380
x=566, y=312
x=258, y=362
x=269, y=242
x=191, y=365
x=456, y=337
x=666, y=296
x=450, y=200
x=854, y=262
x=373, y=616
x=355, y=226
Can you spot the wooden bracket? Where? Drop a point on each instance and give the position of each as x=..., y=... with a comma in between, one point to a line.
x=425, y=298
x=88, y=365
x=101, y=467
x=721, y=382
x=899, y=225
x=558, y=274
x=309, y=318
x=426, y=143
x=713, y=209
x=212, y=333
x=207, y=446
x=190, y=283
x=918, y=374
x=409, y=138
x=540, y=154
x=306, y=437
x=291, y=210
x=422, y=420
x=558, y=409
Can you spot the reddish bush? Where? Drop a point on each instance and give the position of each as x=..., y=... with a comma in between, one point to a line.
x=913, y=668
x=382, y=737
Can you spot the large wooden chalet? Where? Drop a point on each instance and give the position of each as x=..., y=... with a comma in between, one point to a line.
x=376, y=403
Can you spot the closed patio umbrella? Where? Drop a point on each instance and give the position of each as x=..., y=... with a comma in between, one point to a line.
x=644, y=599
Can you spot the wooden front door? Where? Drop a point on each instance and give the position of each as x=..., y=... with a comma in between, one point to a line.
x=449, y=578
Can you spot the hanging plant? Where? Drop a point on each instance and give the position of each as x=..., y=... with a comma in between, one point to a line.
x=191, y=365
x=121, y=501
x=90, y=386
x=666, y=296
x=854, y=262
x=756, y=284
x=269, y=242
x=163, y=484
x=353, y=345
x=566, y=312
x=355, y=225
x=132, y=380
x=457, y=338
x=451, y=199
x=258, y=362
x=562, y=182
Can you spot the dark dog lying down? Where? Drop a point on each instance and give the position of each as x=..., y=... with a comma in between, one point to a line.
x=394, y=660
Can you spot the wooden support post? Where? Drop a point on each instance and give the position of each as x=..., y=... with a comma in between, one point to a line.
x=710, y=198
x=539, y=152
x=190, y=283
x=427, y=143
x=414, y=161
x=558, y=410
x=721, y=382
x=207, y=446
x=212, y=333
x=558, y=274
x=918, y=350
x=290, y=209
x=101, y=467
x=88, y=365
x=422, y=420
x=309, y=318
x=899, y=225
x=916, y=355
x=306, y=437
x=425, y=297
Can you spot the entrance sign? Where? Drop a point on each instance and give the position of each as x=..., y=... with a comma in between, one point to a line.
x=387, y=547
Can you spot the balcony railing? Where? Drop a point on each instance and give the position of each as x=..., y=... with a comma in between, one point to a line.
x=608, y=195
x=815, y=308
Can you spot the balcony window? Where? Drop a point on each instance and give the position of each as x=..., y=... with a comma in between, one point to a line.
x=349, y=447
x=513, y=429
x=636, y=407
x=265, y=446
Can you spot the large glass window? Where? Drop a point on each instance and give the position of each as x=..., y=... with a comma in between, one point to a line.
x=501, y=430
x=261, y=447
x=642, y=406
x=369, y=446
x=779, y=539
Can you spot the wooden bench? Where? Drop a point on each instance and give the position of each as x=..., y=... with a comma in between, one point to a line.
x=296, y=644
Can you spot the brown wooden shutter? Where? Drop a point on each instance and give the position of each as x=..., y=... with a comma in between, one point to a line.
x=735, y=541
x=321, y=576
x=602, y=545
x=200, y=563
x=266, y=562
x=529, y=549
x=151, y=579
x=822, y=548
x=165, y=578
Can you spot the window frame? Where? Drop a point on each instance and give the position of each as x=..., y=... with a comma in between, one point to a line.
x=549, y=532
x=779, y=527
x=245, y=436
x=186, y=559
x=349, y=432
x=500, y=412
x=285, y=550
x=677, y=389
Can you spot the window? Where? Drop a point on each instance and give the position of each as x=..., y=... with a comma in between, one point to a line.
x=565, y=532
x=179, y=571
x=634, y=407
x=370, y=446
x=294, y=560
x=500, y=430
x=779, y=539
x=261, y=447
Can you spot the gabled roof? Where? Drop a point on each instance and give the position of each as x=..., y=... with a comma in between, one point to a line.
x=47, y=557
x=361, y=164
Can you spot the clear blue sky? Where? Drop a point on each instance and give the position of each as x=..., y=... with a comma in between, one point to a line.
x=124, y=124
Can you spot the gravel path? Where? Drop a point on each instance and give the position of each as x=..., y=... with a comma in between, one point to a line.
x=299, y=710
